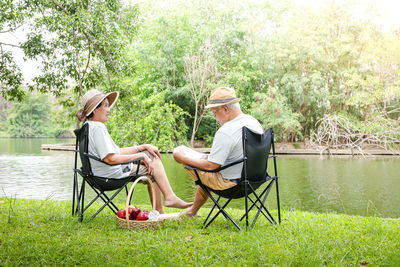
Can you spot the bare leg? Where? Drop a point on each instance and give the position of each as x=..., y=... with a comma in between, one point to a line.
x=170, y=199
x=158, y=200
x=199, y=200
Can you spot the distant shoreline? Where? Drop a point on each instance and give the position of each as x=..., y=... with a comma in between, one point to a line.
x=280, y=149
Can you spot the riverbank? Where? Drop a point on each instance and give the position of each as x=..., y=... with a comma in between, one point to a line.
x=44, y=233
x=281, y=149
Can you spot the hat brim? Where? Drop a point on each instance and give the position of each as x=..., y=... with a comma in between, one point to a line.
x=112, y=98
x=222, y=104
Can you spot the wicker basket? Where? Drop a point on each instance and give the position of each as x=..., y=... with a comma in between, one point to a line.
x=133, y=224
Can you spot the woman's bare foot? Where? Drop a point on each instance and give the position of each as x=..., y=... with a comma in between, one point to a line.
x=176, y=202
x=161, y=211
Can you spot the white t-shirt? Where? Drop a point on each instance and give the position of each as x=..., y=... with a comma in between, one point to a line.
x=227, y=145
x=100, y=145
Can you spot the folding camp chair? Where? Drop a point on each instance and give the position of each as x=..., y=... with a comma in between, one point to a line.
x=99, y=184
x=256, y=153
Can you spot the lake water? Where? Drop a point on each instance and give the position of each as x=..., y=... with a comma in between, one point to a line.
x=361, y=186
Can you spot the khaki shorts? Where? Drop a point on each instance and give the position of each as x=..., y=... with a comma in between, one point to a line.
x=143, y=171
x=212, y=180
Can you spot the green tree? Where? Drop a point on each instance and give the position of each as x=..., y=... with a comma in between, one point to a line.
x=80, y=44
x=30, y=118
x=272, y=111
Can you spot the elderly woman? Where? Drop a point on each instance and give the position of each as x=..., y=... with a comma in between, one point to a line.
x=95, y=112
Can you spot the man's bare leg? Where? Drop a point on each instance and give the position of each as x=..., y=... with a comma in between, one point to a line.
x=199, y=200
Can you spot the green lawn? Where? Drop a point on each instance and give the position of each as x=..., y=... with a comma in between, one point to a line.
x=39, y=233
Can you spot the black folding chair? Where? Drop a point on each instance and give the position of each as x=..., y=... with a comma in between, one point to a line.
x=256, y=154
x=99, y=184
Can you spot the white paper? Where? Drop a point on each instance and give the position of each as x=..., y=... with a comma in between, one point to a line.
x=190, y=152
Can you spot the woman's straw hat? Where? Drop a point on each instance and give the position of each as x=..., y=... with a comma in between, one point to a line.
x=222, y=96
x=93, y=98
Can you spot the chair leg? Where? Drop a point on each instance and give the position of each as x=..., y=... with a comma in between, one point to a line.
x=270, y=218
x=74, y=193
x=260, y=208
x=262, y=203
x=277, y=200
x=223, y=213
x=246, y=204
x=82, y=200
x=219, y=207
x=212, y=210
x=255, y=204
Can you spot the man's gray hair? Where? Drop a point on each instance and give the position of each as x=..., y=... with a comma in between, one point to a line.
x=234, y=106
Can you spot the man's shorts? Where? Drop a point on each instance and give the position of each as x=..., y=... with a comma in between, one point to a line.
x=212, y=180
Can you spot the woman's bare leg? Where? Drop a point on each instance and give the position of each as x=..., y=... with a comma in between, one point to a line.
x=170, y=199
x=158, y=200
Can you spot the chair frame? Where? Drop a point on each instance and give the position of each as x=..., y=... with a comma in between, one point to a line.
x=78, y=197
x=249, y=188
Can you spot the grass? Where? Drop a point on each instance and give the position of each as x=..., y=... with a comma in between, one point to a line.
x=43, y=232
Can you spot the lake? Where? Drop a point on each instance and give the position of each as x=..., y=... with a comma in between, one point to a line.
x=367, y=186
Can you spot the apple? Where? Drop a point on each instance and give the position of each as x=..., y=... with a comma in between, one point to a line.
x=121, y=214
x=142, y=216
x=130, y=210
x=134, y=213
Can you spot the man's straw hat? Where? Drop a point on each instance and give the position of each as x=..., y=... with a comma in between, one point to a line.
x=93, y=98
x=222, y=96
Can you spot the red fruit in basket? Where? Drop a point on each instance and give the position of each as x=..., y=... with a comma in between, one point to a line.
x=130, y=210
x=134, y=213
x=121, y=214
x=142, y=216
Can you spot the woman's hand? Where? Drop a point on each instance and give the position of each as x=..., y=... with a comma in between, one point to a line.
x=148, y=163
x=152, y=150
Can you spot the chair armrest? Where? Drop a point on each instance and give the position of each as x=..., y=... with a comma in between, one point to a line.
x=98, y=159
x=215, y=170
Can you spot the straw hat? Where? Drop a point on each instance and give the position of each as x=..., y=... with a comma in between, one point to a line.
x=222, y=96
x=93, y=98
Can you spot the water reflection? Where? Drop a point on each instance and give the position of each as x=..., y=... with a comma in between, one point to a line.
x=348, y=185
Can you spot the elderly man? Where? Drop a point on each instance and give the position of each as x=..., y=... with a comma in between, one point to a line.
x=226, y=148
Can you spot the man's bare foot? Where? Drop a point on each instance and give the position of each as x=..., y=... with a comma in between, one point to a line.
x=176, y=202
x=187, y=213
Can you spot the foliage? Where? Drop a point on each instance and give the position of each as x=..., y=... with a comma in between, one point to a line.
x=44, y=233
x=148, y=120
x=333, y=57
x=82, y=42
x=272, y=111
x=30, y=118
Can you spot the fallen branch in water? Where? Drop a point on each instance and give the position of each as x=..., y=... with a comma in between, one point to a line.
x=337, y=132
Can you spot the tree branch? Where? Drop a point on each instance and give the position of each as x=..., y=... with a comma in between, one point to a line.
x=12, y=45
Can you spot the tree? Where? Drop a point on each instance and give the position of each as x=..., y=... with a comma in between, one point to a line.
x=30, y=118
x=80, y=44
x=201, y=72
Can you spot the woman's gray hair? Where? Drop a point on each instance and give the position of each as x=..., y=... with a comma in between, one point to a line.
x=234, y=106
